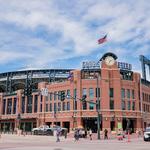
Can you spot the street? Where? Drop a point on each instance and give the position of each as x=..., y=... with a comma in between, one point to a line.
x=15, y=142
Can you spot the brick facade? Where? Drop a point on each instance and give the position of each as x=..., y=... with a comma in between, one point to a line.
x=69, y=113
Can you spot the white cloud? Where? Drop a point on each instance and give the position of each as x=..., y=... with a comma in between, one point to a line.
x=11, y=56
x=122, y=20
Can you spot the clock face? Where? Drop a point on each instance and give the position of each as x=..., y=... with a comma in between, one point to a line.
x=109, y=60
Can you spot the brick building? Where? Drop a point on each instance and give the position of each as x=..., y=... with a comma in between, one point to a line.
x=124, y=100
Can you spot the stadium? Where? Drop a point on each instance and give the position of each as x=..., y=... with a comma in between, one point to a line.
x=106, y=95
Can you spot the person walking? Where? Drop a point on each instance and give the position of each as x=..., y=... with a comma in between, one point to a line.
x=85, y=133
x=105, y=134
x=76, y=135
x=65, y=134
x=58, y=135
x=90, y=134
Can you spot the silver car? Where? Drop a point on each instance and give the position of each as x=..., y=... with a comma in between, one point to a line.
x=147, y=134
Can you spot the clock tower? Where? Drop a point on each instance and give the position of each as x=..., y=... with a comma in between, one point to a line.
x=110, y=83
x=108, y=60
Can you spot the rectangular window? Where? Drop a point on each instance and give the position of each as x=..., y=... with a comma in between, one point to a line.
x=59, y=106
x=46, y=107
x=9, y=105
x=91, y=93
x=129, y=105
x=97, y=91
x=140, y=106
x=59, y=95
x=14, y=106
x=75, y=105
x=68, y=105
x=75, y=99
x=133, y=105
x=128, y=93
x=23, y=105
x=91, y=106
x=55, y=107
x=111, y=104
x=123, y=93
x=51, y=96
x=133, y=94
x=29, y=104
x=84, y=105
x=4, y=106
x=123, y=105
x=75, y=93
x=143, y=96
x=111, y=92
x=64, y=106
x=50, y=109
x=41, y=107
x=55, y=96
x=35, y=103
x=84, y=91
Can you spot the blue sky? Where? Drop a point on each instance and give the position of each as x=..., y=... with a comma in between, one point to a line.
x=63, y=33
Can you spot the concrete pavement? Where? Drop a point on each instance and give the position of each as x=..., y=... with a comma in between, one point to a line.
x=15, y=142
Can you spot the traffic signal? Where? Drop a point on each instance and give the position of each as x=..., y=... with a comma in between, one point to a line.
x=30, y=89
x=63, y=96
x=83, y=98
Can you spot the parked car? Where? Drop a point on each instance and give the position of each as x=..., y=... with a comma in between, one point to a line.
x=147, y=134
x=42, y=130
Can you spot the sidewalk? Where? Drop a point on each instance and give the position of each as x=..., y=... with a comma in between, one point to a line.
x=110, y=136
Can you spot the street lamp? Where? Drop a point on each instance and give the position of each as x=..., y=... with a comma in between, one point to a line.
x=98, y=108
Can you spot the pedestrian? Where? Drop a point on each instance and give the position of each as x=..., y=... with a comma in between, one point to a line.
x=90, y=134
x=137, y=133
x=80, y=133
x=85, y=133
x=65, y=134
x=105, y=134
x=76, y=135
x=57, y=135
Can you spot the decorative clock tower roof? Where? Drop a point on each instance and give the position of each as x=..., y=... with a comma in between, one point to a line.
x=108, y=54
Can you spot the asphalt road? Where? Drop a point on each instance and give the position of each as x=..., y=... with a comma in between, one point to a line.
x=15, y=142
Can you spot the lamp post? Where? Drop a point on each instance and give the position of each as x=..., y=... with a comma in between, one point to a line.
x=98, y=109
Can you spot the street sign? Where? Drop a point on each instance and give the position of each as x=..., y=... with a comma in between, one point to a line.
x=44, y=91
x=119, y=125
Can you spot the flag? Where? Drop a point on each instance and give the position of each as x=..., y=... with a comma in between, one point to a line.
x=102, y=40
x=70, y=77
